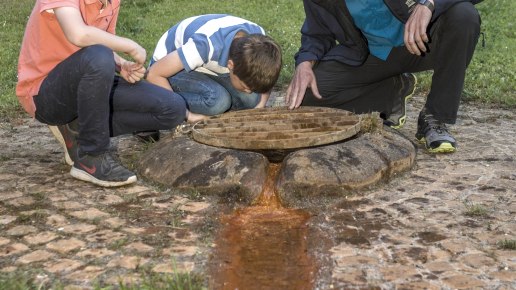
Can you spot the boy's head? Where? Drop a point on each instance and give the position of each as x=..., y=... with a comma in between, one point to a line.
x=256, y=60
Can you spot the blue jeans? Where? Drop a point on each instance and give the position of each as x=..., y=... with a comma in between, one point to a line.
x=84, y=87
x=211, y=95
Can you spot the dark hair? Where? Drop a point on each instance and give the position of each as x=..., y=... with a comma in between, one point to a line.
x=256, y=61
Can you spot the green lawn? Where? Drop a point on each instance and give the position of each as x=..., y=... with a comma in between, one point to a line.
x=490, y=78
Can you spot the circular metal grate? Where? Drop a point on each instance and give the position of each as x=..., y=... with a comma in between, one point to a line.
x=277, y=128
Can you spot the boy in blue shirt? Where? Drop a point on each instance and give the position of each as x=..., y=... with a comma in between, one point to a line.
x=217, y=62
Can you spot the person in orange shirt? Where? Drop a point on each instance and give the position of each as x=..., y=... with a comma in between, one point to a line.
x=67, y=78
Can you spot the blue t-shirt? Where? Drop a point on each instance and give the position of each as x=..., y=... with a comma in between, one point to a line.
x=381, y=28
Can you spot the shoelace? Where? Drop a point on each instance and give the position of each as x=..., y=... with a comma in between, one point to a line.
x=432, y=123
x=107, y=160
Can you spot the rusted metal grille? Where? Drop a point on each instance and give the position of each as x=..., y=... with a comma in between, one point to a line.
x=277, y=128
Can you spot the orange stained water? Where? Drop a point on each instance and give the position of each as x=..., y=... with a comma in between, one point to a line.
x=263, y=246
x=269, y=197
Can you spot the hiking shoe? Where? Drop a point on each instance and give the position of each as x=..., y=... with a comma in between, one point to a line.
x=434, y=134
x=398, y=115
x=147, y=136
x=102, y=170
x=67, y=136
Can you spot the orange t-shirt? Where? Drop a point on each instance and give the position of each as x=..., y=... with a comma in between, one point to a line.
x=44, y=44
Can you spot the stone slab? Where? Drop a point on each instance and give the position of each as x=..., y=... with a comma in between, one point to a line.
x=183, y=163
x=344, y=168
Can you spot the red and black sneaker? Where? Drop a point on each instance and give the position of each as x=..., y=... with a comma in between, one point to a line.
x=67, y=137
x=101, y=170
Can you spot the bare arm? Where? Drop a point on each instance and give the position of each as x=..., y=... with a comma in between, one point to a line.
x=82, y=35
x=263, y=100
x=303, y=78
x=164, y=68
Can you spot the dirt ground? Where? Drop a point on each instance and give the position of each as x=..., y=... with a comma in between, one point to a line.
x=449, y=223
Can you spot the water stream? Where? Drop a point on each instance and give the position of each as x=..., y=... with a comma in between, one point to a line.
x=264, y=246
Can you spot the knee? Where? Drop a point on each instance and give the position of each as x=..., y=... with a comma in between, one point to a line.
x=98, y=58
x=463, y=17
x=172, y=111
x=217, y=104
x=210, y=100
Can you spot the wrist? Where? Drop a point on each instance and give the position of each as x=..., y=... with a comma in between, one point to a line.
x=307, y=63
x=121, y=64
x=428, y=3
x=118, y=65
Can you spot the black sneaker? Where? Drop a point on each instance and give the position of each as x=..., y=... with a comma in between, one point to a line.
x=147, y=136
x=434, y=134
x=398, y=115
x=67, y=136
x=102, y=170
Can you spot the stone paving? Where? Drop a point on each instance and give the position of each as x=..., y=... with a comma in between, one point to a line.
x=442, y=225
x=448, y=224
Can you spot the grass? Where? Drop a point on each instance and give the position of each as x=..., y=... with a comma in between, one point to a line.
x=507, y=244
x=370, y=123
x=475, y=210
x=491, y=78
x=13, y=17
x=118, y=244
x=492, y=74
x=27, y=280
x=175, y=281
x=19, y=280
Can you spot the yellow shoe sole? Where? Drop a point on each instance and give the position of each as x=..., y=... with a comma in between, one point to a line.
x=444, y=147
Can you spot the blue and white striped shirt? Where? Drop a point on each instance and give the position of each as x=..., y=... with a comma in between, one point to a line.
x=204, y=41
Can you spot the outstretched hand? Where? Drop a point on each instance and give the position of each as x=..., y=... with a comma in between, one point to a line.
x=304, y=78
x=415, y=36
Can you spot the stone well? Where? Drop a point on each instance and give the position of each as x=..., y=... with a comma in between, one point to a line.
x=338, y=154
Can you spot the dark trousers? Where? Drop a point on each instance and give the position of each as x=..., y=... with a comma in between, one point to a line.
x=85, y=87
x=374, y=85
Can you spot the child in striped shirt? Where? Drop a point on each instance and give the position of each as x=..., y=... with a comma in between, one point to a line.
x=217, y=62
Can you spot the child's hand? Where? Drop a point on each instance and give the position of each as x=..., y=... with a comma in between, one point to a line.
x=132, y=72
x=194, y=118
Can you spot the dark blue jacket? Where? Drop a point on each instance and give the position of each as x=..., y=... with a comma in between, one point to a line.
x=329, y=33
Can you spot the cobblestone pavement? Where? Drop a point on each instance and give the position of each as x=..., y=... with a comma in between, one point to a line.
x=448, y=224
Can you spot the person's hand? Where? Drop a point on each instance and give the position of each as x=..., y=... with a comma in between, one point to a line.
x=132, y=72
x=194, y=117
x=263, y=100
x=137, y=53
x=304, y=78
x=415, y=36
